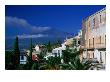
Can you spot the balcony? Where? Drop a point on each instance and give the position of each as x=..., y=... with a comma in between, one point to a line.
x=102, y=45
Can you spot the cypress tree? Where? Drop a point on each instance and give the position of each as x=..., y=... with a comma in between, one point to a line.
x=59, y=43
x=49, y=47
x=16, y=52
x=30, y=55
x=29, y=58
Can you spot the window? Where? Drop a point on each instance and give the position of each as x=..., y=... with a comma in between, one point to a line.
x=55, y=54
x=93, y=54
x=78, y=42
x=100, y=19
x=93, y=42
x=89, y=43
x=105, y=17
x=88, y=56
x=100, y=57
x=105, y=55
x=100, y=39
x=94, y=22
x=22, y=57
x=58, y=52
x=89, y=23
x=105, y=39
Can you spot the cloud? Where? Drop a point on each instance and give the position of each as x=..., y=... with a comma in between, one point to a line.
x=15, y=22
x=40, y=29
x=31, y=36
x=26, y=36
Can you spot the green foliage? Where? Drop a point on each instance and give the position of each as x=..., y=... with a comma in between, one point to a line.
x=49, y=47
x=9, y=60
x=72, y=61
x=58, y=43
x=8, y=56
x=69, y=54
x=34, y=66
x=51, y=64
x=66, y=56
x=12, y=58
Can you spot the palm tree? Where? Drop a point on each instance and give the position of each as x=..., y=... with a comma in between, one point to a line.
x=72, y=61
x=51, y=64
x=76, y=64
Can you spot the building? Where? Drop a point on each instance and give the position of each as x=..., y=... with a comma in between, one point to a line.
x=56, y=52
x=69, y=42
x=93, y=43
x=23, y=57
x=48, y=54
x=74, y=42
x=77, y=40
x=36, y=51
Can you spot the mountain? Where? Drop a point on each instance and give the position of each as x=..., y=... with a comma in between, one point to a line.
x=39, y=37
x=52, y=32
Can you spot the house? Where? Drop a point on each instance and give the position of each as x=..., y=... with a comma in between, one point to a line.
x=48, y=54
x=77, y=40
x=23, y=57
x=36, y=51
x=69, y=42
x=56, y=52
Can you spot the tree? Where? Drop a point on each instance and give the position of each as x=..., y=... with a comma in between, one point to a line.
x=66, y=56
x=16, y=56
x=29, y=58
x=51, y=64
x=59, y=43
x=9, y=60
x=30, y=48
x=72, y=61
x=34, y=66
x=76, y=64
x=49, y=47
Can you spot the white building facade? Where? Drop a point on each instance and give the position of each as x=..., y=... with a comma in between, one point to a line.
x=56, y=52
x=23, y=57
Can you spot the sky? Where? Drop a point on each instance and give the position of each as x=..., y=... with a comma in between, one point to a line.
x=68, y=18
